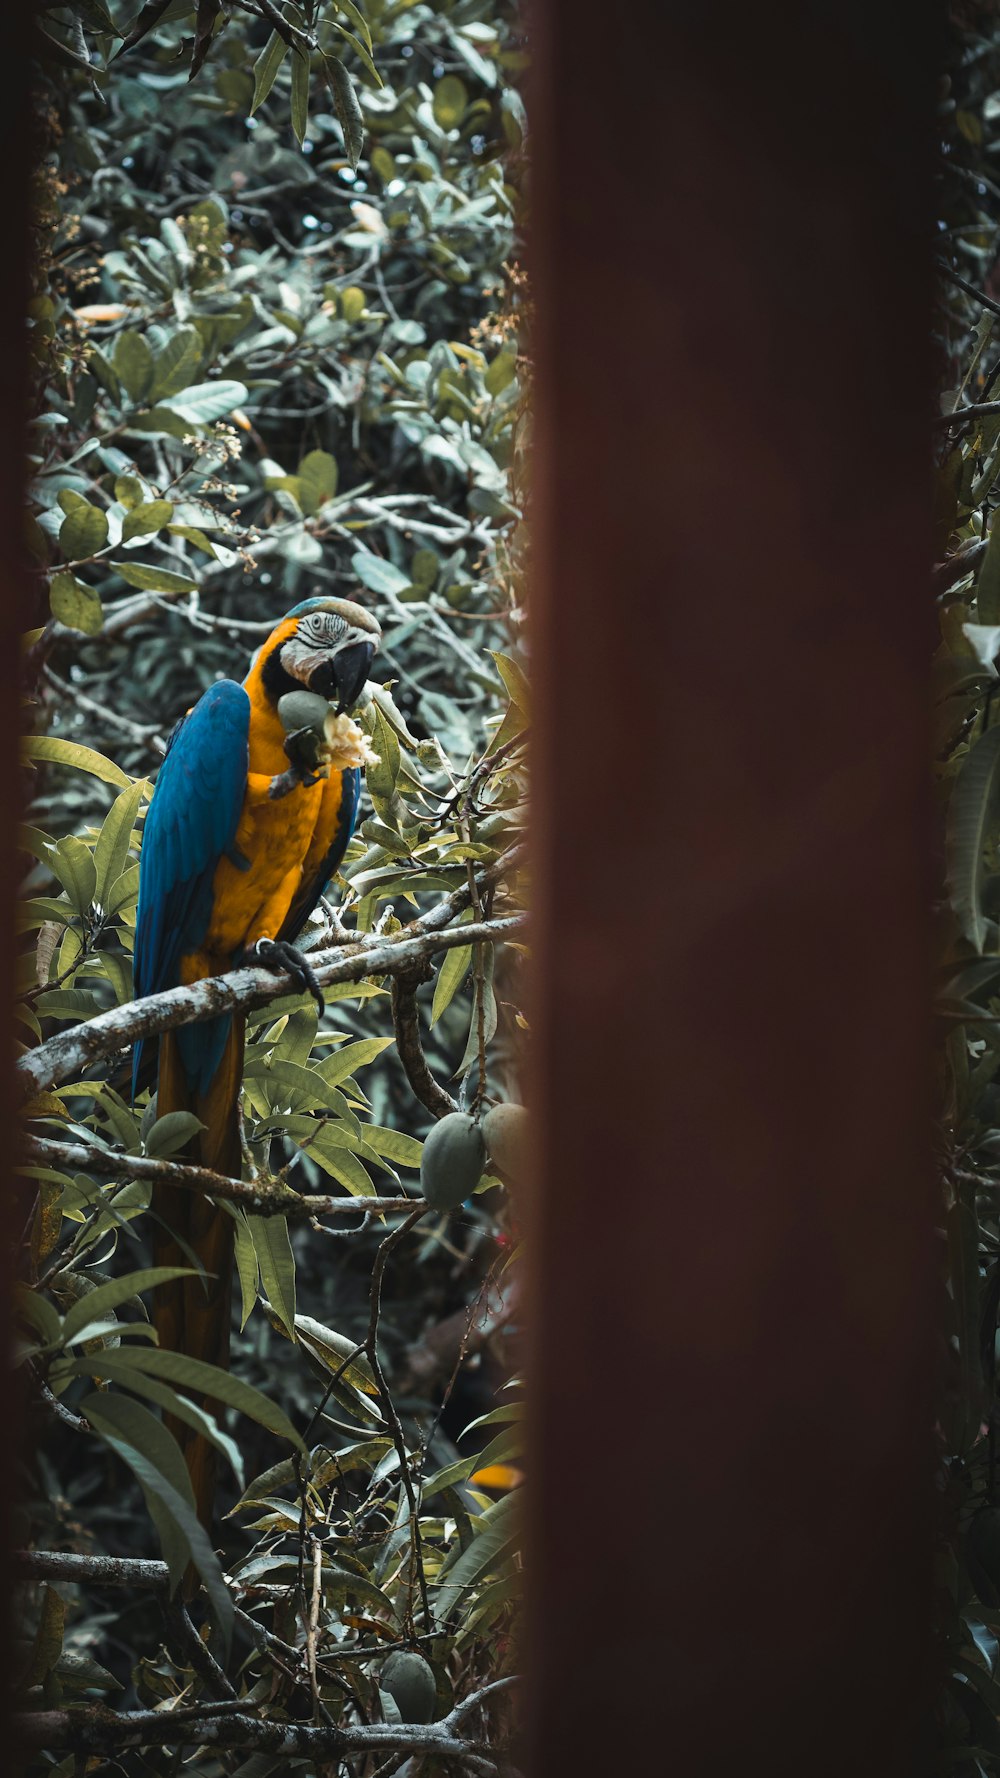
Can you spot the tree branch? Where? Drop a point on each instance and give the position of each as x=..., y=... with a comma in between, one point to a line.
x=95, y=1729
x=101, y=1571
x=406, y=1021
x=259, y=1198
x=68, y=1054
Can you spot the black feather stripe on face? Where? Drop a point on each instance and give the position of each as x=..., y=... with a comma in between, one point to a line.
x=274, y=677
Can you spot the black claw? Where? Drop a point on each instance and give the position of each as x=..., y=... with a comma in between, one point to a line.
x=278, y=955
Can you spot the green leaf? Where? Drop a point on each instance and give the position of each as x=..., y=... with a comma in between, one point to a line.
x=273, y=1248
x=492, y=1543
x=192, y=1414
x=329, y=1153
x=129, y=491
x=40, y=1314
x=47, y=1647
x=177, y=363
x=394, y=1145
x=123, y=892
x=346, y=104
x=191, y=534
x=351, y=1057
x=73, y=863
x=144, y=1444
x=452, y=973
x=357, y=18
x=54, y=750
x=193, y=1373
x=127, y=1421
x=133, y=363
x=96, y=1303
x=171, y=1132
x=382, y=576
x=502, y=371
x=972, y=804
x=317, y=479
x=154, y=580
x=451, y=101
x=266, y=67
x=147, y=518
x=115, y=838
x=333, y=1350
x=300, y=94
x=84, y=530
x=75, y=605
x=204, y=402
x=514, y=680
x=360, y=49
x=246, y=1265
x=988, y=583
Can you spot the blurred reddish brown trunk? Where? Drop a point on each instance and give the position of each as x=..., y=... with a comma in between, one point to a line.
x=730, y=1476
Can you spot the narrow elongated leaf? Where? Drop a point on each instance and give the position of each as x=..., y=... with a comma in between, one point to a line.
x=348, y=109
x=988, y=584
x=154, y=580
x=491, y=1545
x=972, y=804
x=269, y=1235
x=192, y=1414
x=73, y=863
x=393, y=1145
x=357, y=17
x=112, y=848
x=351, y=1057
x=515, y=681
x=300, y=94
x=70, y=753
x=108, y=1296
x=204, y=1379
x=171, y=1505
x=452, y=973
x=332, y=1349
x=266, y=67
x=208, y=12
x=247, y=1267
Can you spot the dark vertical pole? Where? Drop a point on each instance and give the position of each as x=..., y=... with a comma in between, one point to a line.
x=730, y=1474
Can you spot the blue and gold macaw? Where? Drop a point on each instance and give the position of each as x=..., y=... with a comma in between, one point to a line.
x=232, y=864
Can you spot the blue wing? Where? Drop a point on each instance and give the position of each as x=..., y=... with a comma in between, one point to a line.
x=191, y=824
x=309, y=893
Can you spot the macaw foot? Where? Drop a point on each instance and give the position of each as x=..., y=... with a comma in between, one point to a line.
x=277, y=955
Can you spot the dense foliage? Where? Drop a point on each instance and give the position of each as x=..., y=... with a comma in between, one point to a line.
x=967, y=747
x=275, y=330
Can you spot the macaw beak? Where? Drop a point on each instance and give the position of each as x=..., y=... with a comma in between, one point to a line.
x=343, y=674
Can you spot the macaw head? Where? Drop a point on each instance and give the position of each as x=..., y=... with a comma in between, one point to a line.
x=327, y=645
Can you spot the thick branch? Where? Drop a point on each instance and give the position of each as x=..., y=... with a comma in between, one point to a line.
x=68, y=1054
x=101, y=1571
x=99, y=1730
x=976, y=410
x=406, y=1021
